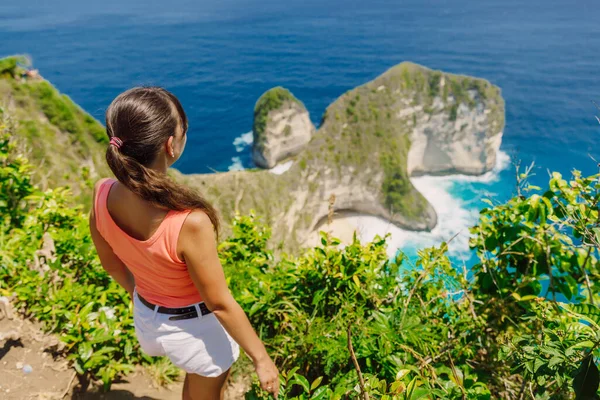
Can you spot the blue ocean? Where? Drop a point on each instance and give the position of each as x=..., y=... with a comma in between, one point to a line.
x=219, y=57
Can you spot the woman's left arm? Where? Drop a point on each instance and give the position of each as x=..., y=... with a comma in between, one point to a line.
x=110, y=262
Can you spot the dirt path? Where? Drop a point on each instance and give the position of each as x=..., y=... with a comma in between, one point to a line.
x=52, y=379
x=48, y=378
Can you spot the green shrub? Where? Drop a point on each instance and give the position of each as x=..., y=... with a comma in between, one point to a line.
x=11, y=66
x=434, y=83
x=15, y=181
x=57, y=108
x=94, y=128
x=453, y=112
x=62, y=112
x=396, y=187
x=431, y=327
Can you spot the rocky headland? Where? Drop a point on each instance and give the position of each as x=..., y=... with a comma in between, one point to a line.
x=408, y=121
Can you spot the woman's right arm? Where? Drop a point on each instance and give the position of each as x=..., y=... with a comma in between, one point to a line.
x=197, y=244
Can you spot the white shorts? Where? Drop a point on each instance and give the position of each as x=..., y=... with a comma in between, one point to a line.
x=198, y=345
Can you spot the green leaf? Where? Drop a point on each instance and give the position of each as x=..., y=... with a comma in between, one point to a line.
x=596, y=234
x=78, y=368
x=105, y=350
x=85, y=351
x=586, y=344
x=255, y=307
x=410, y=388
x=402, y=373
x=529, y=366
x=538, y=363
x=128, y=349
x=321, y=393
x=101, y=338
x=303, y=382
x=316, y=383
x=106, y=378
x=587, y=312
x=555, y=360
x=551, y=351
x=419, y=394
x=586, y=380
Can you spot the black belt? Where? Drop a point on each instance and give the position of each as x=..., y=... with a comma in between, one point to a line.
x=180, y=313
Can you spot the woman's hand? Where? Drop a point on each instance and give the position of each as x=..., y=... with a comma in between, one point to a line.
x=268, y=375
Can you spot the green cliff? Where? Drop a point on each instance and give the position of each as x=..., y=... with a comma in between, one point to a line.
x=51, y=128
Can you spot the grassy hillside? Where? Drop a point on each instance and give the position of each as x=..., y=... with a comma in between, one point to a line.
x=51, y=129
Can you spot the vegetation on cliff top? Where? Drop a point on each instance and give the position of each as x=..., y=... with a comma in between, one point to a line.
x=11, y=66
x=344, y=322
x=272, y=99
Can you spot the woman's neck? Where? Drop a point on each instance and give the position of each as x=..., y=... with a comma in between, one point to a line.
x=161, y=164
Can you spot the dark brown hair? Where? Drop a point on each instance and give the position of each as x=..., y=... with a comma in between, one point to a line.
x=144, y=118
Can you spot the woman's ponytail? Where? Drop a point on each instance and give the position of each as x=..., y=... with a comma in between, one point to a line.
x=139, y=122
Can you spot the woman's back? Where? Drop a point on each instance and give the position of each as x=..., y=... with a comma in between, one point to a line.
x=160, y=275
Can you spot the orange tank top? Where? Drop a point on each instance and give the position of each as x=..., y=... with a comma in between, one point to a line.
x=160, y=276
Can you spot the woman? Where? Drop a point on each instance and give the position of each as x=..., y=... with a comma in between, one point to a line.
x=157, y=239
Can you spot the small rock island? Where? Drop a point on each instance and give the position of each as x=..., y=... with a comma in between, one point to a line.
x=281, y=128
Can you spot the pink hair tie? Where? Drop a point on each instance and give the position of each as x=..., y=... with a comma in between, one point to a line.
x=115, y=141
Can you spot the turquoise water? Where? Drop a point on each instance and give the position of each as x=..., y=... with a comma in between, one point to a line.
x=218, y=57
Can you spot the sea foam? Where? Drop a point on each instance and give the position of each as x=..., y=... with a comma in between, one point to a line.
x=236, y=164
x=241, y=144
x=243, y=141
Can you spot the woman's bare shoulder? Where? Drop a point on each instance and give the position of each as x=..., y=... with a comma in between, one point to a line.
x=197, y=235
x=100, y=182
x=197, y=223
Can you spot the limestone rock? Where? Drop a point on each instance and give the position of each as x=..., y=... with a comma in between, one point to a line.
x=464, y=144
x=282, y=127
